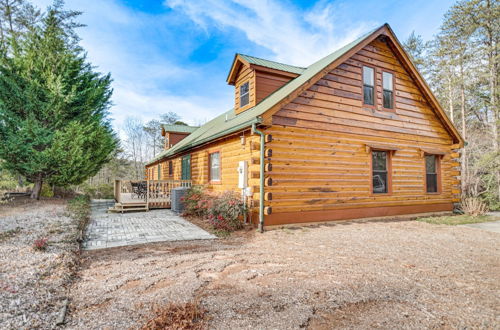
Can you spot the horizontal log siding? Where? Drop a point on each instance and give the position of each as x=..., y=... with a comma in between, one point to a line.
x=245, y=74
x=231, y=152
x=267, y=83
x=319, y=157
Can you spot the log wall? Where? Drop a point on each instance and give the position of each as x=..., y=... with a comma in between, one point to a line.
x=320, y=159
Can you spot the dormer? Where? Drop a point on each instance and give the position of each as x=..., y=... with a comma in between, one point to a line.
x=254, y=79
x=173, y=134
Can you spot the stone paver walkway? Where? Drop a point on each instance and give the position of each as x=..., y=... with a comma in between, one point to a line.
x=493, y=226
x=107, y=230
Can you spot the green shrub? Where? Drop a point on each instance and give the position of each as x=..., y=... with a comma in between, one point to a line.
x=197, y=202
x=226, y=211
x=46, y=191
x=223, y=211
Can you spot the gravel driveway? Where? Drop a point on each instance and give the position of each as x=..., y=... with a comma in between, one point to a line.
x=348, y=275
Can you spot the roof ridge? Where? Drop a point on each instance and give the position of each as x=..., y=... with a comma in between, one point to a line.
x=264, y=59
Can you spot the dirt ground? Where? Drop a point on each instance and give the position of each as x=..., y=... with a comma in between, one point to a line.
x=393, y=274
x=33, y=284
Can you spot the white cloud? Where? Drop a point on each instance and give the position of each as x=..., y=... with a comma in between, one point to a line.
x=293, y=36
x=117, y=41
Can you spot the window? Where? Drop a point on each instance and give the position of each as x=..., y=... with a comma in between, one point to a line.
x=388, y=97
x=159, y=171
x=170, y=168
x=214, y=164
x=368, y=85
x=431, y=173
x=380, y=173
x=186, y=168
x=244, y=94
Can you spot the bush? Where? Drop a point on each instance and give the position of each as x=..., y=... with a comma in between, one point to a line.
x=103, y=190
x=40, y=244
x=474, y=206
x=224, y=211
x=46, y=191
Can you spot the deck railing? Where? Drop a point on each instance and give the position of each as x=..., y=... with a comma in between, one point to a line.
x=156, y=193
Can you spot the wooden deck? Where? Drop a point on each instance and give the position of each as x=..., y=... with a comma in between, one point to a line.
x=143, y=195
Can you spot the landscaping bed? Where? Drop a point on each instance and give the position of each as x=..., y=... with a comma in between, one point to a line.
x=39, y=253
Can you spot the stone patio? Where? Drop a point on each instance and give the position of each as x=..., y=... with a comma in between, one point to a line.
x=107, y=230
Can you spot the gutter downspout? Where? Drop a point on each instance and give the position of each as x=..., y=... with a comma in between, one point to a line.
x=262, y=170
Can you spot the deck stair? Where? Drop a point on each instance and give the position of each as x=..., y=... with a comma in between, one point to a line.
x=129, y=207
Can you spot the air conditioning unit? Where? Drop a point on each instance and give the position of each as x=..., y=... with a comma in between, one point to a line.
x=177, y=205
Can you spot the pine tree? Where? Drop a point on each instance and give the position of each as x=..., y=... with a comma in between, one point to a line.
x=53, y=106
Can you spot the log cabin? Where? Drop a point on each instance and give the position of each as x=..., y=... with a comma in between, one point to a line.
x=357, y=134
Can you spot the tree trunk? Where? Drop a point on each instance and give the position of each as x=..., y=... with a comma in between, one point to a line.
x=450, y=100
x=464, y=166
x=37, y=188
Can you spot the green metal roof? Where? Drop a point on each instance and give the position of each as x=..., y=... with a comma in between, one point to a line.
x=229, y=122
x=179, y=128
x=272, y=64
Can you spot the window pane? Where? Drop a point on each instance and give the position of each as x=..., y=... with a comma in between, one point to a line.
x=244, y=99
x=368, y=77
x=379, y=159
x=387, y=80
x=368, y=95
x=186, y=168
x=244, y=94
x=244, y=88
x=431, y=183
x=430, y=164
x=170, y=168
x=379, y=182
x=215, y=166
x=387, y=99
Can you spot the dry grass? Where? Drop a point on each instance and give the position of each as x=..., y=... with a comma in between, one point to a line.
x=453, y=220
x=474, y=206
x=188, y=316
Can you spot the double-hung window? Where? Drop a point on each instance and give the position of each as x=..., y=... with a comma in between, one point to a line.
x=368, y=85
x=388, y=90
x=244, y=94
x=431, y=173
x=215, y=168
x=380, y=171
x=159, y=171
x=170, y=168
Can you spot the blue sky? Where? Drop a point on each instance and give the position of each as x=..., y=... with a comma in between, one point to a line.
x=174, y=55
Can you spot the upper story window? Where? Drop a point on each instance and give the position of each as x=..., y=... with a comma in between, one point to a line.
x=431, y=173
x=368, y=85
x=244, y=94
x=380, y=171
x=388, y=87
x=214, y=164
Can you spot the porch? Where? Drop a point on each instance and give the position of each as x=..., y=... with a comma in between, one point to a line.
x=143, y=195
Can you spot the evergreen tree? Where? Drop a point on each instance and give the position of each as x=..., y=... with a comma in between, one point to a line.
x=53, y=106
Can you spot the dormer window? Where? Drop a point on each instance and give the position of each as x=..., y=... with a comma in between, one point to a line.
x=244, y=94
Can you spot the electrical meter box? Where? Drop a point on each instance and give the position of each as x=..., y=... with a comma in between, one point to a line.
x=242, y=174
